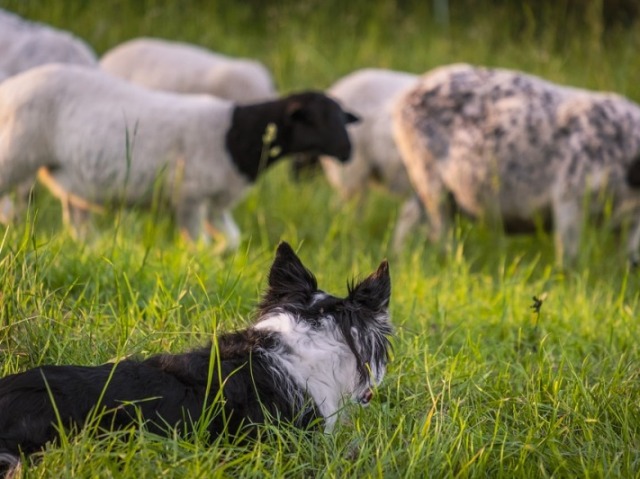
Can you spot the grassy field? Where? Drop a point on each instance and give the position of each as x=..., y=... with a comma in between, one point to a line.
x=479, y=385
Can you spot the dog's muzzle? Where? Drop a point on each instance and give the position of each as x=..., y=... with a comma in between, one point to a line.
x=365, y=398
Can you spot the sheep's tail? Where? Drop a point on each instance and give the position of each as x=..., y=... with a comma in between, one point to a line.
x=633, y=173
x=45, y=177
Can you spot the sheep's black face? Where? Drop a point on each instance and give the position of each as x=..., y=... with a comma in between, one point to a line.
x=317, y=125
x=309, y=123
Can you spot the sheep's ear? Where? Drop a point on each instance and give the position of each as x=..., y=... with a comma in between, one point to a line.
x=289, y=276
x=375, y=291
x=297, y=112
x=352, y=117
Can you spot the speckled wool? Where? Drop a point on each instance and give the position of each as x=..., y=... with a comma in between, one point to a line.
x=509, y=146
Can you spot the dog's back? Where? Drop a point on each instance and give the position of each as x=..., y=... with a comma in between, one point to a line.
x=164, y=391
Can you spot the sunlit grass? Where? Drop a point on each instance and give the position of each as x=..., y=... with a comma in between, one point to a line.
x=480, y=384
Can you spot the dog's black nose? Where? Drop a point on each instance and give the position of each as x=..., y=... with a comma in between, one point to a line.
x=366, y=397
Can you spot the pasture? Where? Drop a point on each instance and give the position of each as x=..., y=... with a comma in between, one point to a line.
x=481, y=384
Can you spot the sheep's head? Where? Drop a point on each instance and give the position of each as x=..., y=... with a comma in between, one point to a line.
x=317, y=125
x=305, y=123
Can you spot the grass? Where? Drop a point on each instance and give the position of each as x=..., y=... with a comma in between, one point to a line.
x=480, y=384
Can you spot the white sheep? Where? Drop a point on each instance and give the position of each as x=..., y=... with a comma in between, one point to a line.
x=371, y=94
x=98, y=139
x=185, y=68
x=26, y=44
x=511, y=147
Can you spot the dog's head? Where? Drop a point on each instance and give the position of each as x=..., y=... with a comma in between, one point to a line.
x=357, y=327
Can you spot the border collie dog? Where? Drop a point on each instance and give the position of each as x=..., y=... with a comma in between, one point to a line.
x=308, y=353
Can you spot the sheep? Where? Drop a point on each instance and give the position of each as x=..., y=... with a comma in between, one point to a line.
x=26, y=44
x=185, y=68
x=371, y=93
x=95, y=140
x=513, y=148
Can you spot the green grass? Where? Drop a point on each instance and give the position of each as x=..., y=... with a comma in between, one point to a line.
x=479, y=385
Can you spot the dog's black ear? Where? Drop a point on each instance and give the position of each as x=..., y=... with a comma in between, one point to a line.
x=289, y=276
x=375, y=291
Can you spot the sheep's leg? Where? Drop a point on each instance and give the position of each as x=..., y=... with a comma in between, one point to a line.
x=75, y=218
x=360, y=199
x=17, y=174
x=221, y=223
x=190, y=214
x=431, y=192
x=14, y=205
x=351, y=180
x=76, y=211
x=8, y=209
x=567, y=223
x=411, y=213
x=23, y=193
x=421, y=167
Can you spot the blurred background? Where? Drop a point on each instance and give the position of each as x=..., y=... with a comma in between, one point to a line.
x=592, y=43
x=312, y=43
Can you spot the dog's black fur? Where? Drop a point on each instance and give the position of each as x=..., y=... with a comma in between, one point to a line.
x=166, y=390
x=174, y=390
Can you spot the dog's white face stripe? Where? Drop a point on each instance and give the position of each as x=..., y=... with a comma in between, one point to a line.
x=319, y=361
x=277, y=322
x=319, y=296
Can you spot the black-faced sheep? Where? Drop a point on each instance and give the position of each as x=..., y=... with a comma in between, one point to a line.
x=185, y=68
x=509, y=147
x=97, y=139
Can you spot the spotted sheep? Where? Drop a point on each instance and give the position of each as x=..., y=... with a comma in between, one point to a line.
x=95, y=140
x=185, y=68
x=513, y=148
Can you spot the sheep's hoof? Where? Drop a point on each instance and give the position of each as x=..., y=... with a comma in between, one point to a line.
x=220, y=247
x=7, y=210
